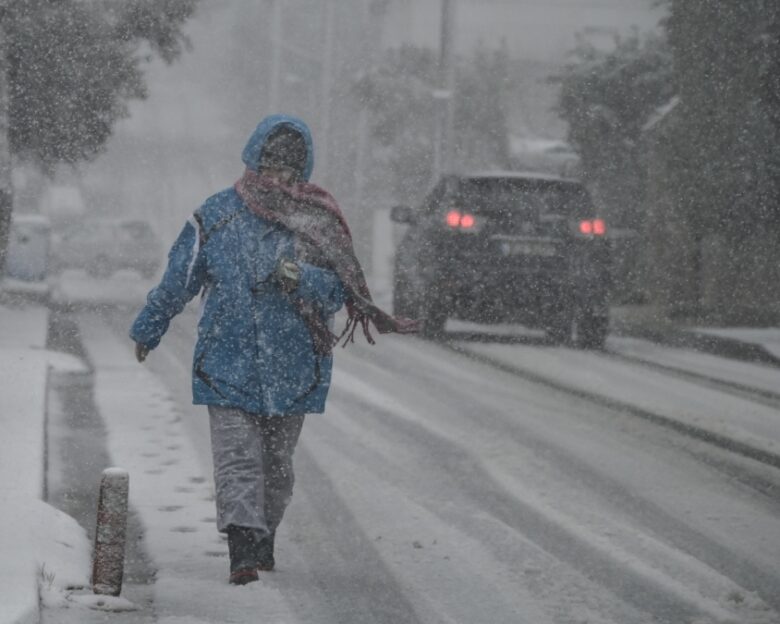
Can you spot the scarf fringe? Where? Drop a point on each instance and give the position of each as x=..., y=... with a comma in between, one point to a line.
x=354, y=321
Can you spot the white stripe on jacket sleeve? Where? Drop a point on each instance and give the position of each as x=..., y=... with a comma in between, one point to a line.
x=195, y=250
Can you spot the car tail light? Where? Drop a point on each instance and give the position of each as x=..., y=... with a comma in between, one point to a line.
x=460, y=220
x=593, y=227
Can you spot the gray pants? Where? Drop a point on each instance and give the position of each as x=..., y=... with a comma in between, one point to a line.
x=253, y=469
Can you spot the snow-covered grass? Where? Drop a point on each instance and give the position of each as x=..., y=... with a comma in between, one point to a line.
x=659, y=393
x=747, y=374
x=43, y=552
x=766, y=337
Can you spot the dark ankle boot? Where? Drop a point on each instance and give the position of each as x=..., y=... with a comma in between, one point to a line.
x=242, y=546
x=265, y=553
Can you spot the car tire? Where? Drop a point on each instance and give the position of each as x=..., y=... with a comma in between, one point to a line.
x=592, y=330
x=428, y=308
x=561, y=329
x=579, y=328
x=433, y=311
x=434, y=319
x=401, y=298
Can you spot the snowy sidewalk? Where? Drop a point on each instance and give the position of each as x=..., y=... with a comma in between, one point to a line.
x=41, y=549
x=171, y=490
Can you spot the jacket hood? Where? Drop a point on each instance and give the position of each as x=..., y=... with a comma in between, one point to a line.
x=254, y=147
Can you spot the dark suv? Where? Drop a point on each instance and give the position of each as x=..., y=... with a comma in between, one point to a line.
x=505, y=247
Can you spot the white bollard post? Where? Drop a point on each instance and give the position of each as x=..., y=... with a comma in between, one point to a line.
x=108, y=558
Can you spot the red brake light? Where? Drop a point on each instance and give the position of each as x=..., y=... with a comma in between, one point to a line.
x=586, y=227
x=596, y=227
x=453, y=218
x=457, y=219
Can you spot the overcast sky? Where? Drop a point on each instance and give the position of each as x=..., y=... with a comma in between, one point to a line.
x=535, y=29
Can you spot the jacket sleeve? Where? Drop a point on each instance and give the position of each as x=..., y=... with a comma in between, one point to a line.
x=322, y=287
x=183, y=279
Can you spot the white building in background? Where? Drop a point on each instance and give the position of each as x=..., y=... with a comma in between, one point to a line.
x=539, y=30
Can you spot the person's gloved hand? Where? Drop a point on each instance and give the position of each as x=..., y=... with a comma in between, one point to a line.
x=141, y=351
x=288, y=275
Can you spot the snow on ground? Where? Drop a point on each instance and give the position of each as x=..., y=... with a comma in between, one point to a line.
x=170, y=490
x=758, y=376
x=768, y=337
x=460, y=493
x=42, y=550
x=593, y=494
x=123, y=288
x=468, y=494
x=655, y=392
x=495, y=329
x=386, y=508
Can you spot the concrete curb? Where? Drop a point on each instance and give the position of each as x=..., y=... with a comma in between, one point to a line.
x=646, y=325
x=706, y=343
x=23, y=388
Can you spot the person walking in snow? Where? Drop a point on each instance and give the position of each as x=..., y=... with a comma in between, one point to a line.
x=273, y=260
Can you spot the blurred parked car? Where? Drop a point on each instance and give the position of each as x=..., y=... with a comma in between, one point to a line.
x=102, y=246
x=27, y=259
x=506, y=247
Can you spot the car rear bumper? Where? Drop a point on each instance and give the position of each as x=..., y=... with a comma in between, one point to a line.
x=522, y=292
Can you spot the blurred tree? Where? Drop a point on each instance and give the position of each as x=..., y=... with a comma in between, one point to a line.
x=73, y=65
x=606, y=98
x=726, y=182
x=725, y=59
x=482, y=97
x=399, y=93
x=69, y=67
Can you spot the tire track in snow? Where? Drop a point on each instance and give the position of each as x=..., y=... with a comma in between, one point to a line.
x=447, y=374
x=470, y=542
x=742, y=391
x=633, y=580
x=741, y=447
x=456, y=394
x=371, y=357
x=761, y=476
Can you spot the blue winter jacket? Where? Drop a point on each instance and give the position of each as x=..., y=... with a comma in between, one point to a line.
x=253, y=350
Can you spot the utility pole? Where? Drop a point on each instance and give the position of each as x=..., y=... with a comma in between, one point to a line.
x=447, y=81
x=276, y=56
x=326, y=80
x=364, y=209
x=444, y=94
x=6, y=185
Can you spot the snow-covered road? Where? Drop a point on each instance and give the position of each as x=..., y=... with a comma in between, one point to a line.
x=441, y=487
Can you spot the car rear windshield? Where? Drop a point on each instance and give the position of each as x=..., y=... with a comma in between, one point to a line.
x=529, y=197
